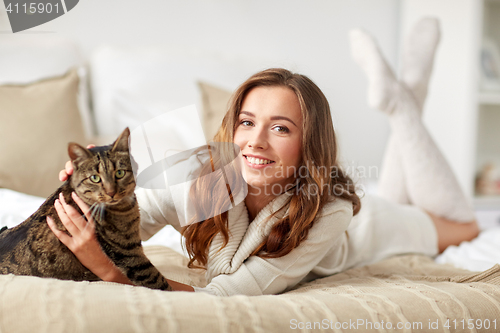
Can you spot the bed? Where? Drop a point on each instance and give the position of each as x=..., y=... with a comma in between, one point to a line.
x=407, y=293
x=459, y=291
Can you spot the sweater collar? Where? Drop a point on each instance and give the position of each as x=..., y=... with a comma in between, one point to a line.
x=244, y=237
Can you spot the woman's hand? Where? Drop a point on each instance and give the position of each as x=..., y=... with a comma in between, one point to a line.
x=82, y=240
x=68, y=168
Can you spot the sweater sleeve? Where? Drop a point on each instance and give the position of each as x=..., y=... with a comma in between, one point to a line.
x=157, y=210
x=157, y=206
x=258, y=276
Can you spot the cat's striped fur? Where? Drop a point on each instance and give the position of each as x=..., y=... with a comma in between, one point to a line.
x=31, y=248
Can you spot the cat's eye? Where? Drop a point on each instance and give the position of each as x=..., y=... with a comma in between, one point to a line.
x=95, y=178
x=120, y=174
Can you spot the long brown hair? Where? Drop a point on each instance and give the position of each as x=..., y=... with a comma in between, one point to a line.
x=319, y=157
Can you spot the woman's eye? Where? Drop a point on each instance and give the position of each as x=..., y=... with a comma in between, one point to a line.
x=120, y=174
x=246, y=123
x=95, y=178
x=281, y=129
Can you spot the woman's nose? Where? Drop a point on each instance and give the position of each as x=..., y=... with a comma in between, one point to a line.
x=257, y=140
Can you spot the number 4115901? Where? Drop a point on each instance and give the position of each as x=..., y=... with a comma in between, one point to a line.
x=33, y=8
x=471, y=324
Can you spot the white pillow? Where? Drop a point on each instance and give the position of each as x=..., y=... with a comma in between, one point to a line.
x=176, y=130
x=158, y=77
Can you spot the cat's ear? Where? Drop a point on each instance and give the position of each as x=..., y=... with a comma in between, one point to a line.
x=121, y=144
x=78, y=153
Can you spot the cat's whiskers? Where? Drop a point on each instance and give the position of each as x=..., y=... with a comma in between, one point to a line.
x=101, y=208
x=97, y=211
x=93, y=209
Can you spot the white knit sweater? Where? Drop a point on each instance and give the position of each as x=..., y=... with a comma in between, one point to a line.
x=232, y=271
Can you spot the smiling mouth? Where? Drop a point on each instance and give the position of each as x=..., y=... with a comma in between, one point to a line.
x=258, y=161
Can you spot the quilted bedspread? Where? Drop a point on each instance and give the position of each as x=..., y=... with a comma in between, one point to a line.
x=408, y=293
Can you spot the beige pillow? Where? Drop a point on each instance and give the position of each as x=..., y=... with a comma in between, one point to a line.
x=215, y=103
x=38, y=120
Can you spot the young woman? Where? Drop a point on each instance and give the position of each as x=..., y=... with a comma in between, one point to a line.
x=298, y=222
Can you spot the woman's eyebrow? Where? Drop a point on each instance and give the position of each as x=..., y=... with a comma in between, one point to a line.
x=283, y=118
x=272, y=118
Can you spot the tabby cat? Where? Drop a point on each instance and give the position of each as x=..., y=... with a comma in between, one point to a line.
x=103, y=179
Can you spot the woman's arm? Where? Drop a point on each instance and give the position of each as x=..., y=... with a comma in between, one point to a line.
x=82, y=240
x=177, y=286
x=84, y=245
x=267, y=276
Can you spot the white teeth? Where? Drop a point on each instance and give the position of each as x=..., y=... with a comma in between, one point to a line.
x=254, y=160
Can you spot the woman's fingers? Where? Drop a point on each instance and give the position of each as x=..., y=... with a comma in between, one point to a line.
x=63, y=237
x=63, y=175
x=84, y=207
x=68, y=171
x=69, y=167
x=65, y=219
x=76, y=217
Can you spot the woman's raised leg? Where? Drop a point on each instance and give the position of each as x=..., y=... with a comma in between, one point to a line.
x=416, y=68
x=431, y=184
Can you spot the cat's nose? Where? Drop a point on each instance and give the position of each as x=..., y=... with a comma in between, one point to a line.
x=111, y=193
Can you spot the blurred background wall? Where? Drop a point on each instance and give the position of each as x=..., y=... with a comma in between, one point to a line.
x=310, y=37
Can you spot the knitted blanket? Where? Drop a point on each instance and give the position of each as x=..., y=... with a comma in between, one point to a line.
x=402, y=294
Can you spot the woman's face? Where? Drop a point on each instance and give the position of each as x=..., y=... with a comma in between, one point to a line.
x=269, y=134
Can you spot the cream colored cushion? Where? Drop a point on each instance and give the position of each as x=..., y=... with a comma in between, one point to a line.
x=28, y=58
x=38, y=122
x=215, y=103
